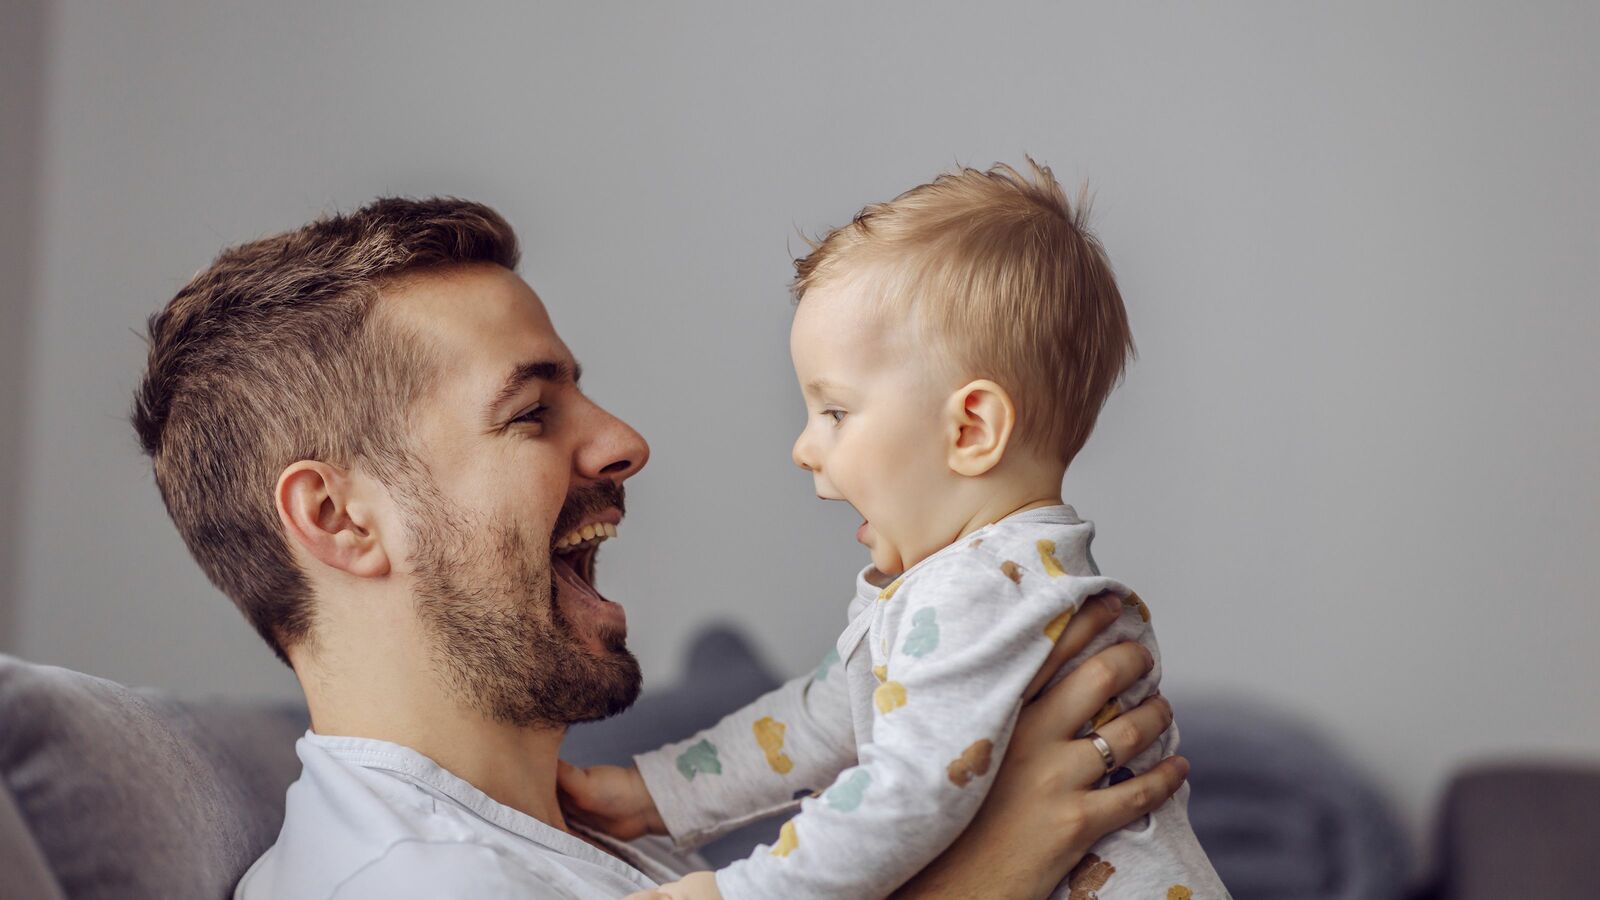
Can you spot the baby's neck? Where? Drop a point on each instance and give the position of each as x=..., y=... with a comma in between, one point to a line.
x=999, y=510
x=1012, y=492
x=994, y=507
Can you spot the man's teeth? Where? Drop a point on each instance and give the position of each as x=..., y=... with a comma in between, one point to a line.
x=588, y=534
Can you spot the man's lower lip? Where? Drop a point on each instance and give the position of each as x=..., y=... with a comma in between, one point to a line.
x=861, y=533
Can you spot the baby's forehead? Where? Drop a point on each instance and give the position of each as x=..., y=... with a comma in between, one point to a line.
x=843, y=339
x=874, y=299
x=846, y=317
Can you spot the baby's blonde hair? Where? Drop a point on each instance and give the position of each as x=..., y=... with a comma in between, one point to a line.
x=1002, y=273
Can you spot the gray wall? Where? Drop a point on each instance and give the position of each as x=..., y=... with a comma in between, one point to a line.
x=1354, y=471
x=22, y=94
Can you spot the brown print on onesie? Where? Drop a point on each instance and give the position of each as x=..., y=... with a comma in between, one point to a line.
x=1012, y=571
x=1090, y=875
x=972, y=763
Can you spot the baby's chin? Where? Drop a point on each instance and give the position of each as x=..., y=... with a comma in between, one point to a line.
x=894, y=559
x=887, y=563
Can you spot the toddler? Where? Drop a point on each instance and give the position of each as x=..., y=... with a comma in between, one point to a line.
x=954, y=347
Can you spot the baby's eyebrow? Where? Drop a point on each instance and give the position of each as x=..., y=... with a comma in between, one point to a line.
x=821, y=386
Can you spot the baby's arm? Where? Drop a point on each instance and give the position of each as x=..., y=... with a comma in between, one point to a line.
x=756, y=761
x=968, y=641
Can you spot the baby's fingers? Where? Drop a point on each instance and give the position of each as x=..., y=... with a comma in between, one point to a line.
x=567, y=773
x=572, y=780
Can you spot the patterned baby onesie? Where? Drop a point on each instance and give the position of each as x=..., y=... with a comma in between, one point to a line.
x=891, y=744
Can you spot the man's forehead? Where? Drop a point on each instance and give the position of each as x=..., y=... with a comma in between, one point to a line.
x=479, y=320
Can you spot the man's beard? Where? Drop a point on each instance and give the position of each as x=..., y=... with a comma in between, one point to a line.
x=501, y=641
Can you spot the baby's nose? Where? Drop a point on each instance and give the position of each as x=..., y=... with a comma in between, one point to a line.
x=801, y=456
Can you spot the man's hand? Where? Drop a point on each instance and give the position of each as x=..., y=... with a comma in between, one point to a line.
x=694, y=886
x=1043, y=811
x=611, y=799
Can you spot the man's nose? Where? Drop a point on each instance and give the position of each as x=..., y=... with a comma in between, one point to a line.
x=616, y=451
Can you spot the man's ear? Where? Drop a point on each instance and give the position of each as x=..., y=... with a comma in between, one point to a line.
x=979, y=417
x=322, y=513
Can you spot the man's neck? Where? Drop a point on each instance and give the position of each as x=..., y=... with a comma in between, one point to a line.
x=513, y=765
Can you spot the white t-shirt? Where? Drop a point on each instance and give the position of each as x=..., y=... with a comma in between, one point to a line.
x=371, y=819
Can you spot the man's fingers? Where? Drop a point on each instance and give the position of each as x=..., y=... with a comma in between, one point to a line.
x=1088, y=688
x=1131, y=732
x=1116, y=806
x=1094, y=616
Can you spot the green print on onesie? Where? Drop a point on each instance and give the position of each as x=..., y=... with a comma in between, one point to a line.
x=827, y=663
x=702, y=757
x=924, y=635
x=846, y=795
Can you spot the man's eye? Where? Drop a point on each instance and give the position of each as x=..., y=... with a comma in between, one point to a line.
x=836, y=414
x=535, y=415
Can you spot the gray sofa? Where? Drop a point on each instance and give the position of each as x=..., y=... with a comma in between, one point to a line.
x=110, y=791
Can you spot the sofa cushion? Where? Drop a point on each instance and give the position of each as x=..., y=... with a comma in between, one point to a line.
x=129, y=793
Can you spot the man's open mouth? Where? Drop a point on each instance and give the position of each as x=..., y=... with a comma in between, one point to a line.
x=573, y=557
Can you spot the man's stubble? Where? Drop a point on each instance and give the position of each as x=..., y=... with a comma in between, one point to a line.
x=486, y=594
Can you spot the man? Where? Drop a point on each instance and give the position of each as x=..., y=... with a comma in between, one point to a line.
x=374, y=442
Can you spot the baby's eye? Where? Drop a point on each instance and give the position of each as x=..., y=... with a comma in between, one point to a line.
x=836, y=414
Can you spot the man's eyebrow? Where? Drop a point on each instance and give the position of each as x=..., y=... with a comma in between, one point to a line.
x=534, y=370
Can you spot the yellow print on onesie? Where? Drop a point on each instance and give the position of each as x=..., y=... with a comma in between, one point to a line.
x=769, y=737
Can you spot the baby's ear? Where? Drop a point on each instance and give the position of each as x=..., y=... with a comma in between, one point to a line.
x=979, y=417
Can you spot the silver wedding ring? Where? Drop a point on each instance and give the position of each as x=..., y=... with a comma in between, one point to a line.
x=1106, y=756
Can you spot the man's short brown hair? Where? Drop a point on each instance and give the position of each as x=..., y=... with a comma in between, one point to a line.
x=273, y=354
x=1001, y=275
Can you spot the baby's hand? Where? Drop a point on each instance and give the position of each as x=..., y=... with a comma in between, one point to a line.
x=694, y=886
x=611, y=799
